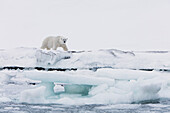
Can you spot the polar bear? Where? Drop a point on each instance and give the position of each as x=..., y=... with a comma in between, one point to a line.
x=54, y=42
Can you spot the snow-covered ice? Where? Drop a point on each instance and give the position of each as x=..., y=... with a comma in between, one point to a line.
x=111, y=89
x=32, y=57
x=117, y=79
x=45, y=57
x=69, y=77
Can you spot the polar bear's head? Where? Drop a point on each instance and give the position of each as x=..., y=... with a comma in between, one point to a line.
x=62, y=40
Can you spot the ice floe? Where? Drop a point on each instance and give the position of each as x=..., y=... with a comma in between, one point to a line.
x=79, y=88
x=100, y=77
x=32, y=57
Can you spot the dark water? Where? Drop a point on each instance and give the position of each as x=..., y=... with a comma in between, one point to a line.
x=162, y=106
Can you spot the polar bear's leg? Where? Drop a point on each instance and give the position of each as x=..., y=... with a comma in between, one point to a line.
x=65, y=47
x=54, y=46
x=48, y=48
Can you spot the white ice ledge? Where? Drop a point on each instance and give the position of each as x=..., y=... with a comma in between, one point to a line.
x=32, y=57
x=105, y=86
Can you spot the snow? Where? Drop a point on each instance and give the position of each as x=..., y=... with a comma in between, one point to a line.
x=36, y=95
x=45, y=57
x=32, y=57
x=123, y=90
x=13, y=108
x=4, y=78
x=125, y=74
x=68, y=77
x=120, y=106
x=4, y=99
x=145, y=60
x=18, y=57
x=117, y=81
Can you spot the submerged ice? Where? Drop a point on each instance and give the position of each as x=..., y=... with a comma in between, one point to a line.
x=117, y=81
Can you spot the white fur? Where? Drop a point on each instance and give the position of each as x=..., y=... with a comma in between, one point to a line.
x=54, y=42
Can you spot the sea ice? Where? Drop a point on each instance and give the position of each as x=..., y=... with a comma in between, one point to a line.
x=46, y=58
x=5, y=99
x=36, y=95
x=33, y=57
x=116, y=85
x=116, y=80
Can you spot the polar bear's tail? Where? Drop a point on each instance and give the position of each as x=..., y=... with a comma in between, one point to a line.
x=44, y=43
x=42, y=47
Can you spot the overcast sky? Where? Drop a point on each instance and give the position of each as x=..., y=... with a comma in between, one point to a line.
x=88, y=24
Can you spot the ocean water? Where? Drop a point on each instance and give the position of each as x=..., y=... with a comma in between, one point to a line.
x=157, y=106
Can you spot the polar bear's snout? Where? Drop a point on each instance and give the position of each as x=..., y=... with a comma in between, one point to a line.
x=64, y=40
